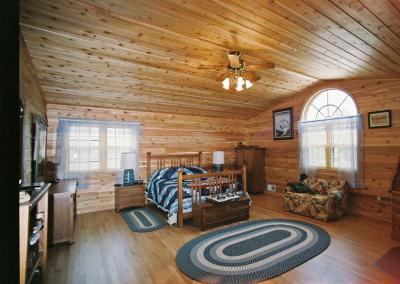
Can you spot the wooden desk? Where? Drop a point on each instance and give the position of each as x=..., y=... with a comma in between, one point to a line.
x=62, y=211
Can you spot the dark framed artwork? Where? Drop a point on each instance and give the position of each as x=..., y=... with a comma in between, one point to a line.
x=380, y=119
x=283, y=124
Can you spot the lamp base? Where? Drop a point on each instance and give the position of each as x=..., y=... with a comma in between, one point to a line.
x=218, y=167
x=129, y=177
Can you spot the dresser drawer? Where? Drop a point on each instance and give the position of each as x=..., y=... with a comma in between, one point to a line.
x=129, y=196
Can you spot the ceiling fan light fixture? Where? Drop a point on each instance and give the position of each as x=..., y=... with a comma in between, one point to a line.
x=240, y=81
x=225, y=83
x=249, y=84
x=239, y=88
x=239, y=84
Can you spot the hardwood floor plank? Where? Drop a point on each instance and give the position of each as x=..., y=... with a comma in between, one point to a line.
x=106, y=251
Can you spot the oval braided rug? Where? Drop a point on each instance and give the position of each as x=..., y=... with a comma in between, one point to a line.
x=142, y=220
x=252, y=251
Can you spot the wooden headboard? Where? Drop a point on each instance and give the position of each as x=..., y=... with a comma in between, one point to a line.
x=173, y=160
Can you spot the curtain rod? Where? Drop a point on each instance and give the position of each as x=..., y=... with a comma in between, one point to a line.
x=99, y=121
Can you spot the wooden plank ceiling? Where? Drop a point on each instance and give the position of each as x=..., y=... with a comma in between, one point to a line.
x=147, y=55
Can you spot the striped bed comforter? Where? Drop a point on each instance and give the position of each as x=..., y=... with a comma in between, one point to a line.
x=162, y=189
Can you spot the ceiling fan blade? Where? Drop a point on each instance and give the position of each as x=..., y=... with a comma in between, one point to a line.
x=255, y=67
x=250, y=76
x=223, y=76
x=212, y=67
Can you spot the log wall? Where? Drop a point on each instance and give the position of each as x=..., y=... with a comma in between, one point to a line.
x=34, y=103
x=160, y=133
x=381, y=146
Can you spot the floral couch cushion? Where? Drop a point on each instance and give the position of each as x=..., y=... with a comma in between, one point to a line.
x=327, y=200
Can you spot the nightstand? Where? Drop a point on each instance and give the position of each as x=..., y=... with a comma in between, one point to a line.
x=129, y=196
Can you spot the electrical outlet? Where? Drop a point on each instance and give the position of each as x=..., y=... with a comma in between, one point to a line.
x=379, y=199
x=271, y=187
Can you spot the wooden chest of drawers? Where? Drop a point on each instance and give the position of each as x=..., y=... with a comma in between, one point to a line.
x=129, y=196
x=208, y=215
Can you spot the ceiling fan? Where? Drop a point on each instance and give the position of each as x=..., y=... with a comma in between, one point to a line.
x=238, y=73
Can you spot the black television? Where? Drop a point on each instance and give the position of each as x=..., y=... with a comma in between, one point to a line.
x=39, y=148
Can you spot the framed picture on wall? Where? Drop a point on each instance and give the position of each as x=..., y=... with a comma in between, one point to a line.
x=380, y=119
x=283, y=124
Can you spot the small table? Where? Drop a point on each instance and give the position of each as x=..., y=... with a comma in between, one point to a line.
x=208, y=214
x=129, y=196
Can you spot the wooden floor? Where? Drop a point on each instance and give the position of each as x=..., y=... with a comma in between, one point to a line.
x=106, y=251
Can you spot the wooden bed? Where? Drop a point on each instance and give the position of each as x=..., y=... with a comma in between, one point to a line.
x=213, y=180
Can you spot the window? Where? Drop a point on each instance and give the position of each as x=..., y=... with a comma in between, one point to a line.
x=84, y=148
x=119, y=140
x=329, y=104
x=329, y=132
x=86, y=145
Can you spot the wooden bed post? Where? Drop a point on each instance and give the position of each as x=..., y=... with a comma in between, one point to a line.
x=180, y=199
x=148, y=164
x=200, y=158
x=244, y=179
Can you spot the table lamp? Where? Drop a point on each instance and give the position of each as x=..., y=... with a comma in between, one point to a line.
x=218, y=160
x=128, y=164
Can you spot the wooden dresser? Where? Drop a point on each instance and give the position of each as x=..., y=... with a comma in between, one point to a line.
x=129, y=196
x=33, y=221
x=254, y=159
x=62, y=211
x=207, y=214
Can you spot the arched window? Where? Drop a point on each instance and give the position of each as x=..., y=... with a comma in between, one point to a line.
x=329, y=133
x=329, y=104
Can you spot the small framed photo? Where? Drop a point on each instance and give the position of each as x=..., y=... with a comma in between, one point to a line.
x=283, y=124
x=380, y=119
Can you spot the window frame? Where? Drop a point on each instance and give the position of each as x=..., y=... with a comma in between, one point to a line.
x=102, y=148
x=329, y=148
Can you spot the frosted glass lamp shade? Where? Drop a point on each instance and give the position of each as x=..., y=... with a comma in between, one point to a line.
x=218, y=158
x=128, y=160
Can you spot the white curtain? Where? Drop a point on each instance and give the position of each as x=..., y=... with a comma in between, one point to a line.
x=333, y=144
x=85, y=146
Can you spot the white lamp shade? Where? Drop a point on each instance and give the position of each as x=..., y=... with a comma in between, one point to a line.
x=218, y=158
x=128, y=160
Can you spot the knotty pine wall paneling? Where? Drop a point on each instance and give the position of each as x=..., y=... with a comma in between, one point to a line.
x=34, y=103
x=381, y=146
x=160, y=133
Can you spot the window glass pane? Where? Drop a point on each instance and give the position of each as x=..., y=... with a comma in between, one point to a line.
x=316, y=141
x=111, y=163
x=344, y=147
x=349, y=108
x=74, y=166
x=119, y=140
x=331, y=104
x=94, y=132
x=84, y=147
x=84, y=166
x=311, y=113
x=83, y=155
x=336, y=97
x=94, y=155
x=94, y=165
